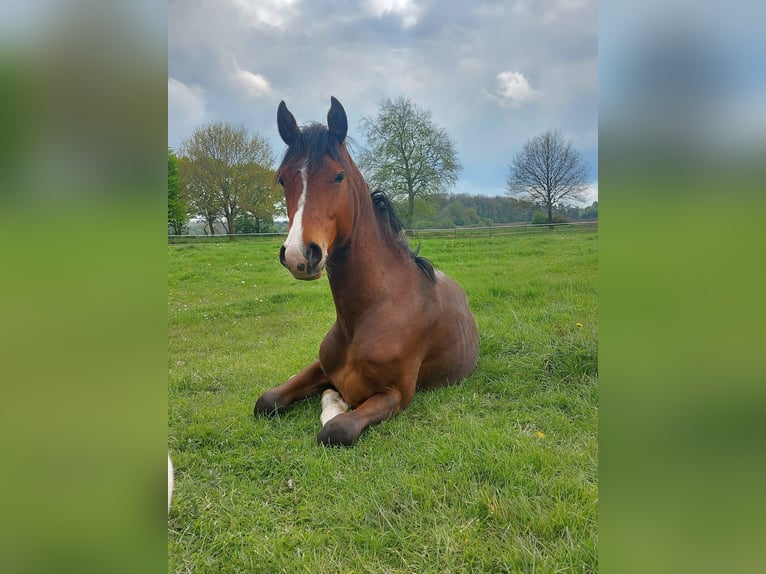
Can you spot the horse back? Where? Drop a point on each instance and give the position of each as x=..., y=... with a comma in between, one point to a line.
x=453, y=346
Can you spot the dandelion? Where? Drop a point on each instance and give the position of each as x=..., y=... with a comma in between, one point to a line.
x=540, y=434
x=578, y=324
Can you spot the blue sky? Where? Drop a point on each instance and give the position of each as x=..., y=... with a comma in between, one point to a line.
x=493, y=74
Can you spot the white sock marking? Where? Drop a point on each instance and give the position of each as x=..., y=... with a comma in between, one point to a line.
x=332, y=405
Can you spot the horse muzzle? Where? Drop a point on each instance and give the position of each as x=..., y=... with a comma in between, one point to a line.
x=305, y=263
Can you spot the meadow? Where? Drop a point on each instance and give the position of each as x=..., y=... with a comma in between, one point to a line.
x=496, y=474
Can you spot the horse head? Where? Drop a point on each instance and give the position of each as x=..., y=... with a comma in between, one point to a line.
x=317, y=176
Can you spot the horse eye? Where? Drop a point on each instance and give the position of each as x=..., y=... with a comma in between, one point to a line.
x=281, y=182
x=340, y=177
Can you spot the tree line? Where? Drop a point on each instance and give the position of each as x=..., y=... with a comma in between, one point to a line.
x=447, y=210
x=222, y=177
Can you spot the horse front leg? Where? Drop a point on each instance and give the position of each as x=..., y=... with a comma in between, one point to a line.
x=310, y=381
x=345, y=428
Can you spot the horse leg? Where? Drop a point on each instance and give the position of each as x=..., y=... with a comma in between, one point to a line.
x=310, y=381
x=345, y=428
x=332, y=405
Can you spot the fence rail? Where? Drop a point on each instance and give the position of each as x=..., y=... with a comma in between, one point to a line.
x=172, y=239
x=506, y=229
x=455, y=232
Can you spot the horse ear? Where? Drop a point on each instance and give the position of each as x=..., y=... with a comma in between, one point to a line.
x=336, y=120
x=288, y=127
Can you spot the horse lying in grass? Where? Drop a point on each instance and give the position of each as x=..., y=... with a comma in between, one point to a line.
x=401, y=324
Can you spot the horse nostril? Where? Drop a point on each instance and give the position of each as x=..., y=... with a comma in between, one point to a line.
x=282, y=259
x=314, y=255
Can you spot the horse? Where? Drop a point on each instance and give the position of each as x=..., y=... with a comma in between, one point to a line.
x=401, y=325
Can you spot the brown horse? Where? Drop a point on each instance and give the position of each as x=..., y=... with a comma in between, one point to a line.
x=401, y=325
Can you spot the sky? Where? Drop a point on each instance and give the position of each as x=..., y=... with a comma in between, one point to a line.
x=492, y=74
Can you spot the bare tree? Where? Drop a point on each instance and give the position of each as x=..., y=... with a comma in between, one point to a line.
x=408, y=156
x=547, y=170
x=227, y=172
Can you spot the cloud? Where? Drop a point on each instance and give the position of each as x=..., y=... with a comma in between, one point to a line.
x=469, y=63
x=252, y=84
x=259, y=13
x=408, y=10
x=513, y=90
x=591, y=193
x=186, y=104
x=186, y=108
x=562, y=7
x=586, y=140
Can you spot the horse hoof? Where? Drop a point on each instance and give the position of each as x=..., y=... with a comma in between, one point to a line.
x=265, y=406
x=337, y=434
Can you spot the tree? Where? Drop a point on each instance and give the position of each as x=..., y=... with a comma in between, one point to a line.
x=590, y=212
x=408, y=155
x=249, y=223
x=227, y=173
x=178, y=210
x=547, y=170
x=202, y=199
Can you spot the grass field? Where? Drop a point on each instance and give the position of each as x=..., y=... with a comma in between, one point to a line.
x=497, y=474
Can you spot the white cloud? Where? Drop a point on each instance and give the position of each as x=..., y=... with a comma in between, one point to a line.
x=186, y=101
x=513, y=90
x=585, y=141
x=252, y=84
x=562, y=7
x=591, y=193
x=408, y=10
x=186, y=108
x=257, y=13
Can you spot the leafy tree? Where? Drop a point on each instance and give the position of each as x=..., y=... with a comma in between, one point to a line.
x=228, y=172
x=443, y=210
x=267, y=201
x=407, y=155
x=203, y=200
x=246, y=222
x=178, y=210
x=548, y=170
x=590, y=212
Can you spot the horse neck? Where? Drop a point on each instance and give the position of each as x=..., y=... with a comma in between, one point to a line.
x=357, y=277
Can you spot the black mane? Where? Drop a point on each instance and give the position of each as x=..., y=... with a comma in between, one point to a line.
x=385, y=213
x=314, y=143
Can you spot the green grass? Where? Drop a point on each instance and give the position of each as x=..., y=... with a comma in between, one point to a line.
x=497, y=474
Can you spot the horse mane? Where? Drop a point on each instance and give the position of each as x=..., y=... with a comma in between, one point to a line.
x=312, y=144
x=385, y=213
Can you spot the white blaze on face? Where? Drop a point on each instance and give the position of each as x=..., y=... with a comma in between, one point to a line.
x=332, y=405
x=295, y=237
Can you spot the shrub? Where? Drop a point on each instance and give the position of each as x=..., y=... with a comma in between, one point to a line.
x=540, y=217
